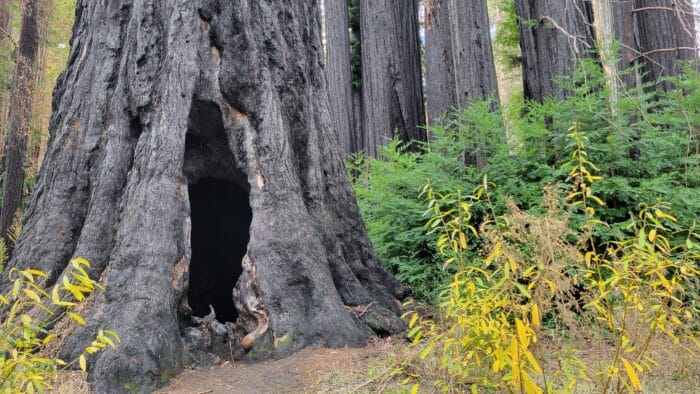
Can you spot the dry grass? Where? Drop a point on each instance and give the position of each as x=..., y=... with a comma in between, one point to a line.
x=678, y=371
x=71, y=382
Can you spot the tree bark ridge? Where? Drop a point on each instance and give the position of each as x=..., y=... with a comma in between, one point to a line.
x=116, y=168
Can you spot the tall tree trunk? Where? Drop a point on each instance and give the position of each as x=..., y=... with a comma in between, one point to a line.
x=459, y=58
x=19, y=116
x=555, y=35
x=440, y=83
x=392, y=92
x=340, y=74
x=7, y=47
x=175, y=120
x=666, y=37
x=41, y=107
x=603, y=18
x=626, y=34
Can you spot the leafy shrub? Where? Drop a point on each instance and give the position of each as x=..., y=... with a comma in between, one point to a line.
x=28, y=313
x=646, y=149
x=490, y=315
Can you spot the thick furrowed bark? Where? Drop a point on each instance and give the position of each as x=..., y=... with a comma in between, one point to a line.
x=114, y=184
x=339, y=73
x=554, y=36
x=392, y=92
x=667, y=37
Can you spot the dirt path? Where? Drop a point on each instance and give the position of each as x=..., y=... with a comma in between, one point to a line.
x=311, y=370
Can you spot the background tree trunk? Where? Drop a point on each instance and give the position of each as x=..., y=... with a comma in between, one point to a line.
x=603, y=17
x=40, y=101
x=340, y=74
x=666, y=37
x=441, y=89
x=162, y=99
x=19, y=116
x=7, y=46
x=555, y=35
x=626, y=34
x=392, y=92
x=459, y=59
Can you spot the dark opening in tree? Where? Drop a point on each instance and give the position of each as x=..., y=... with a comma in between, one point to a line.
x=220, y=221
x=174, y=118
x=220, y=213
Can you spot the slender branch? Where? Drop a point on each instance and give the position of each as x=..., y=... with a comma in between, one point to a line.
x=645, y=54
x=9, y=37
x=659, y=8
x=566, y=33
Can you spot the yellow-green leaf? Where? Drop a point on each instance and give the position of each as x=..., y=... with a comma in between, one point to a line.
x=535, y=315
x=632, y=374
x=32, y=295
x=652, y=235
x=79, y=319
x=522, y=333
x=83, y=362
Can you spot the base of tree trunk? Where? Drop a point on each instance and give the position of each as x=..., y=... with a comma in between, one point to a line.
x=193, y=161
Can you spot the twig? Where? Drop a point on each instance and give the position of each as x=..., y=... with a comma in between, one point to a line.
x=370, y=380
x=645, y=54
x=366, y=309
x=572, y=37
x=9, y=37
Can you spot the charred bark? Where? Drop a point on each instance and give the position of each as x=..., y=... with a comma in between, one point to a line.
x=392, y=92
x=458, y=55
x=159, y=97
x=666, y=31
x=554, y=36
x=19, y=117
x=339, y=72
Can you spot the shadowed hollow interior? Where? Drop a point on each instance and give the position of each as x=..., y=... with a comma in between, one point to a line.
x=220, y=213
x=220, y=221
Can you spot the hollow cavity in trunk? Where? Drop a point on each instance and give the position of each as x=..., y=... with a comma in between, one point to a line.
x=220, y=214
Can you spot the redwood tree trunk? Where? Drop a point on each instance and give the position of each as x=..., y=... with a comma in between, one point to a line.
x=5, y=55
x=340, y=74
x=19, y=116
x=392, y=92
x=555, y=35
x=163, y=106
x=666, y=37
x=441, y=88
x=458, y=55
x=626, y=34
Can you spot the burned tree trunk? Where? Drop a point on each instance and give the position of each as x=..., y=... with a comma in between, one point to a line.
x=392, y=92
x=554, y=36
x=666, y=31
x=180, y=122
x=458, y=55
x=339, y=73
x=19, y=117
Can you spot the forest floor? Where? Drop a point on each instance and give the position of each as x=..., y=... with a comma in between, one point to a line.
x=366, y=370
x=309, y=371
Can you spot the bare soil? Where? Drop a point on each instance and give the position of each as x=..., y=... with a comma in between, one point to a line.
x=311, y=370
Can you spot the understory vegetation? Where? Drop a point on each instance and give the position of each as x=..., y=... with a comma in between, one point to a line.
x=580, y=230
x=28, y=338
